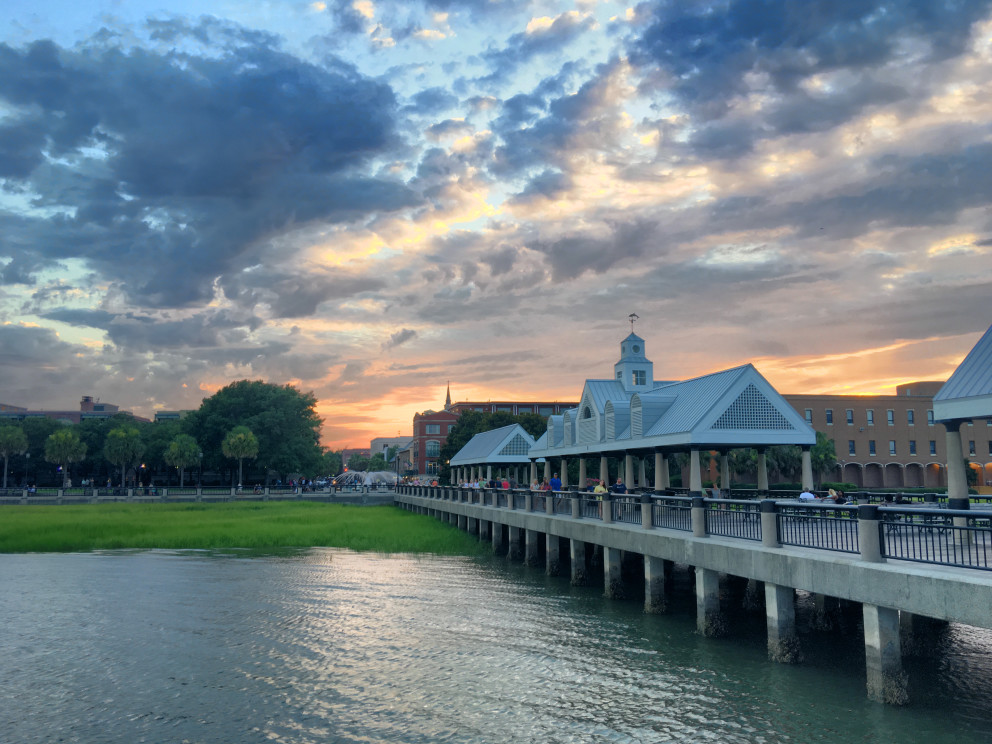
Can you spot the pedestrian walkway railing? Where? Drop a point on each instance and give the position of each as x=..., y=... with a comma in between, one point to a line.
x=925, y=533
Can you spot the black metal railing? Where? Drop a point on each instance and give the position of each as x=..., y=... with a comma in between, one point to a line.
x=537, y=501
x=563, y=504
x=672, y=512
x=592, y=508
x=948, y=537
x=823, y=526
x=733, y=518
x=627, y=510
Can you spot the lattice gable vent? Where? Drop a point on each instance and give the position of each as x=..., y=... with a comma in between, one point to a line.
x=516, y=446
x=752, y=410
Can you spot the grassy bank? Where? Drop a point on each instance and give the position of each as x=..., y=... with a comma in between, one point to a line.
x=27, y=529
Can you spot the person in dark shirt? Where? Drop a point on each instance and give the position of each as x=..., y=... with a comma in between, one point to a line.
x=555, y=483
x=619, y=486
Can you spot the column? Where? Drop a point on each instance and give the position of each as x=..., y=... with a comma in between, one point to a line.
x=666, y=480
x=642, y=477
x=604, y=470
x=612, y=576
x=552, y=563
x=654, y=585
x=581, y=485
x=762, y=471
x=628, y=469
x=532, y=552
x=659, y=462
x=564, y=474
x=725, y=472
x=780, y=614
x=957, y=476
x=695, y=476
x=887, y=682
x=709, y=621
x=533, y=471
x=547, y=469
x=807, y=468
x=513, y=549
x=485, y=528
x=498, y=545
x=577, y=558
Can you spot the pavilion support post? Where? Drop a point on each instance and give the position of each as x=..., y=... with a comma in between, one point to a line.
x=695, y=475
x=547, y=469
x=725, y=472
x=604, y=470
x=762, y=471
x=628, y=469
x=666, y=475
x=552, y=561
x=887, y=682
x=659, y=463
x=642, y=478
x=489, y=472
x=581, y=485
x=532, y=551
x=654, y=585
x=807, y=468
x=957, y=475
x=612, y=575
x=564, y=474
x=513, y=549
x=780, y=614
x=533, y=471
x=709, y=621
x=577, y=559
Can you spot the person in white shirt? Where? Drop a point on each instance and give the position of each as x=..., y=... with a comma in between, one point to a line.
x=807, y=495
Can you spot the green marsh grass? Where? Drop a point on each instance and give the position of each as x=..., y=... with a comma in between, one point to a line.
x=266, y=525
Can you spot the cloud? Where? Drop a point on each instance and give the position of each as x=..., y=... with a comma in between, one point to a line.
x=399, y=338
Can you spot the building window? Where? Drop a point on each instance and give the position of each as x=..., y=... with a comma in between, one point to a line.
x=546, y=410
x=912, y=446
x=871, y=447
x=432, y=468
x=433, y=448
x=639, y=377
x=851, y=450
x=890, y=417
x=870, y=413
x=971, y=447
x=892, y=446
x=849, y=413
x=808, y=414
x=432, y=428
x=933, y=447
x=830, y=415
x=930, y=417
x=911, y=417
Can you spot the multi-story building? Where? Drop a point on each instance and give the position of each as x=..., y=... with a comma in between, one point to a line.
x=88, y=409
x=893, y=440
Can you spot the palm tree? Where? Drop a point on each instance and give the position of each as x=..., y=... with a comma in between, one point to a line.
x=62, y=448
x=239, y=444
x=182, y=452
x=123, y=447
x=12, y=442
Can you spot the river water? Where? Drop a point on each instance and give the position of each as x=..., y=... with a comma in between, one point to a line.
x=336, y=646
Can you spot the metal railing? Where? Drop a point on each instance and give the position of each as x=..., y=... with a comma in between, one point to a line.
x=672, y=512
x=948, y=537
x=592, y=508
x=823, y=526
x=733, y=518
x=626, y=509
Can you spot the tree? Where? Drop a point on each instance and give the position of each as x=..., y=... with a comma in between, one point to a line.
x=239, y=444
x=283, y=419
x=823, y=455
x=13, y=441
x=358, y=462
x=330, y=463
x=786, y=460
x=123, y=447
x=182, y=452
x=377, y=462
x=471, y=423
x=37, y=429
x=64, y=447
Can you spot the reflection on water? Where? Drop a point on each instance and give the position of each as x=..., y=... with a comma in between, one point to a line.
x=328, y=645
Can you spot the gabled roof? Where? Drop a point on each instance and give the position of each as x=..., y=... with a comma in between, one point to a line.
x=968, y=392
x=693, y=399
x=603, y=390
x=496, y=446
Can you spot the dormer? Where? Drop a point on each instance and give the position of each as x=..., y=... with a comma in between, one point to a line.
x=634, y=371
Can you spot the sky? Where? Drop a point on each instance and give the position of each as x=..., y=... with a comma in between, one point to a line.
x=370, y=199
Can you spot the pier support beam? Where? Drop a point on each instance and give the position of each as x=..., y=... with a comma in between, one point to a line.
x=513, y=549
x=612, y=573
x=780, y=614
x=485, y=529
x=462, y=522
x=577, y=559
x=918, y=633
x=709, y=621
x=498, y=545
x=655, y=570
x=532, y=551
x=552, y=562
x=887, y=682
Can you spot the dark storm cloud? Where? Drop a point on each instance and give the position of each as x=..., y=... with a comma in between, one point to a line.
x=199, y=157
x=432, y=101
x=399, y=338
x=712, y=52
x=296, y=295
x=573, y=255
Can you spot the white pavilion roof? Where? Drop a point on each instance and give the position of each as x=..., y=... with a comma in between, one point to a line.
x=968, y=392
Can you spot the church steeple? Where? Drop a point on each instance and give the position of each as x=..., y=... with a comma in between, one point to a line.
x=447, y=398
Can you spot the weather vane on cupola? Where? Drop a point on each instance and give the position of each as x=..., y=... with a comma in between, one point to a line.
x=633, y=318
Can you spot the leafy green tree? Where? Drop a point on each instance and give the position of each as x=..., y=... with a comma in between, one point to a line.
x=158, y=436
x=239, y=444
x=823, y=456
x=358, y=462
x=13, y=441
x=786, y=460
x=37, y=429
x=283, y=419
x=377, y=462
x=182, y=452
x=123, y=447
x=330, y=463
x=93, y=433
x=62, y=448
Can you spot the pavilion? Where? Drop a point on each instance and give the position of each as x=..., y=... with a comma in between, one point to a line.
x=631, y=417
x=965, y=396
x=505, y=448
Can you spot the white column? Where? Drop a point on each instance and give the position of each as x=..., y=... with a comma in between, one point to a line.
x=581, y=485
x=628, y=470
x=547, y=469
x=725, y=471
x=533, y=471
x=642, y=479
x=564, y=474
x=489, y=472
x=957, y=476
x=604, y=469
x=762, y=470
x=807, y=469
x=695, y=476
x=659, y=481
x=666, y=480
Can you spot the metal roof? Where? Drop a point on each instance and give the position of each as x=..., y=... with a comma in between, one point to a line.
x=694, y=399
x=486, y=446
x=604, y=390
x=968, y=392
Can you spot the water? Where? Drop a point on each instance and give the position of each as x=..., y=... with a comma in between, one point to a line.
x=335, y=646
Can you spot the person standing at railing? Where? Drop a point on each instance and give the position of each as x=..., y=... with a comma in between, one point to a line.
x=555, y=482
x=619, y=486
